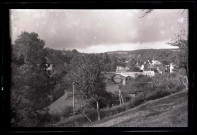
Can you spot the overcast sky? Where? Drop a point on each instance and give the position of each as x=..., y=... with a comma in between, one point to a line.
x=94, y=31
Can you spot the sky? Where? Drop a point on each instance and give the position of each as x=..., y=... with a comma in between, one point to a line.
x=96, y=31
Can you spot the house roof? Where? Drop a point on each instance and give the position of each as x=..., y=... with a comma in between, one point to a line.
x=53, y=59
x=128, y=89
x=156, y=62
x=50, y=59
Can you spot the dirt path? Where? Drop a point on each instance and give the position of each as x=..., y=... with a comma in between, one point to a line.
x=169, y=111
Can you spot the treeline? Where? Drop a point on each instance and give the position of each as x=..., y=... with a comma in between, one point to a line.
x=108, y=62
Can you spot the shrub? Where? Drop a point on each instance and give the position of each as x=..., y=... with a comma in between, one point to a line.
x=73, y=121
x=46, y=119
x=91, y=113
x=178, y=88
x=135, y=102
x=157, y=94
x=112, y=111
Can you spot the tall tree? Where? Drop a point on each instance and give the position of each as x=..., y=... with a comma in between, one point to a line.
x=90, y=82
x=30, y=85
x=181, y=41
x=30, y=46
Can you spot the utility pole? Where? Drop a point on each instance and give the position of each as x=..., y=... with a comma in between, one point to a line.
x=73, y=96
x=120, y=98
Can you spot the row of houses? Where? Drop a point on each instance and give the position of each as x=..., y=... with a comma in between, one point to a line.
x=153, y=65
x=149, y=68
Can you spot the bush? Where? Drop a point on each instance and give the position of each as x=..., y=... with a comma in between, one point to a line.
x=73, y=121
x=46, y=119
x=179, y=88
x=112, y=111
x=91, y=113
x=157, y=94
x=168, y=82
x=135, y=102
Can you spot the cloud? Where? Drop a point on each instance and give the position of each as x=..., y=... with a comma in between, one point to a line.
x=81, y=29
x=126, y=47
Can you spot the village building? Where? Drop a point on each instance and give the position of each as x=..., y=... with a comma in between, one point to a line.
x=122, y=69
x=53, y=64
x=171, y=67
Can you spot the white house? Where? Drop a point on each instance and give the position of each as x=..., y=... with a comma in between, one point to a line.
x=121, y=69
x=171, y=67
x=142, y=66
x=155, y=62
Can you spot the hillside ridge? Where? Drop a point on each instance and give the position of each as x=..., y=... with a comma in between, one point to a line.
x=169, y=111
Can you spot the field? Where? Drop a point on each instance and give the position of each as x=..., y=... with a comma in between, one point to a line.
x=169, y=111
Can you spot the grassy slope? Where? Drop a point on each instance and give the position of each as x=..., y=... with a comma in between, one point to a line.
x=169, y=111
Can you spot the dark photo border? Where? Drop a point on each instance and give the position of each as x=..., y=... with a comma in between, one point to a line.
x=5, y=124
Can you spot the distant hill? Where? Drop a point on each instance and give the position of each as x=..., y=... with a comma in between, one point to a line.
x=118, y=52
x=145, y=54
x=143, y=50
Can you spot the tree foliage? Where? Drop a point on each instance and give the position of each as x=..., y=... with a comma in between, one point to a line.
x=30, y=84
x=181, y=41
x=89, y=80
x=29, y=46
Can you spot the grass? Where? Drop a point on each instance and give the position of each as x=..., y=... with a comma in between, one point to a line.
x=170, y=111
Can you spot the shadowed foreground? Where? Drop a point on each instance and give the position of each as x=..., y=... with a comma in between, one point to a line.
x=171, y=111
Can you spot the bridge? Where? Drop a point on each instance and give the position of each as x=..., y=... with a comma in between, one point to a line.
x=121, y=77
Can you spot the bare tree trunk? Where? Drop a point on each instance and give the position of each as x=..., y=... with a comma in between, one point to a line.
x=120, y=98
x=185, y=83
x=87, y=117
x=98, y=110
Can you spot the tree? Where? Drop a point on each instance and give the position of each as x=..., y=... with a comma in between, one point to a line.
x=27, y=93
x=30, y=83
x=132, y=64
x=182, y=42
x=142, y=84
x=42, y=65
x=90, y=82
x=30, y=46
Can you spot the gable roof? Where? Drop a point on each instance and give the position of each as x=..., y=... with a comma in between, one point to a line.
x=156, y=62
x=128, y=89
x=48, y=61
x=53, y=59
